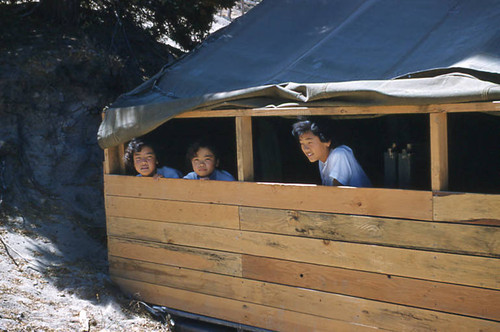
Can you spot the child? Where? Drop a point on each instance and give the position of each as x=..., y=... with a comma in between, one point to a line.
x=141, y=157
x=204, y=160
x=337, y=165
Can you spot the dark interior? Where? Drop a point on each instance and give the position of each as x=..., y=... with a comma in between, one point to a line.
x=474, y=152
x=174, y=137
x=474, y=149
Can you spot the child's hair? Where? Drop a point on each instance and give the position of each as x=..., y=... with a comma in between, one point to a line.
x=135, y=145
x=202, y=143
x=318, y=128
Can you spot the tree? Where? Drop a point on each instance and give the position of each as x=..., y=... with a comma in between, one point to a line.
x=61, y=11
x=187, y=22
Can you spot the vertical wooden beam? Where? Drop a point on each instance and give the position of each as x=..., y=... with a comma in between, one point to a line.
x=113, y=157
x=113, y=160
x=244, y=148
x=439, y=151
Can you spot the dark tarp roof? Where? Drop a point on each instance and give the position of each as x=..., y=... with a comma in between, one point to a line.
x=357, y=52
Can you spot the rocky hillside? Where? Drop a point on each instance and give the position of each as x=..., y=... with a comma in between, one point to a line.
x=54, y=83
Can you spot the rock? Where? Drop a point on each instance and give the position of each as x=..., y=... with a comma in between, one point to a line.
x=84, y=321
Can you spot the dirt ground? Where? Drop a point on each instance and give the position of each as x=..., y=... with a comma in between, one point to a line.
x=44, y=287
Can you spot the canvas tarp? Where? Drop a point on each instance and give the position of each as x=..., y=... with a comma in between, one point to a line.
x=325, y=53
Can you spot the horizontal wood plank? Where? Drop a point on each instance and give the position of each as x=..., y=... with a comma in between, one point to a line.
x=363, y=201
x=458, y=238
x=173, y=211
x=188, y=257
x=234, y=310
x=406, y=291
x=464, y=206
x=345, y=110
x=443, y=267
x=300, y=300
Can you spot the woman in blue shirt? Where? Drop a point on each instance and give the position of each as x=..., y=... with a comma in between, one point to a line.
x=337, y=165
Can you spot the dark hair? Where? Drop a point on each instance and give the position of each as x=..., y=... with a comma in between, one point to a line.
x=202, y=143
x=135, y=145
x=318, y=128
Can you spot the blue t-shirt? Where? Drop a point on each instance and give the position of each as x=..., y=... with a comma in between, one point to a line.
x=343, y=166
x=216, y=175
x=168, y=172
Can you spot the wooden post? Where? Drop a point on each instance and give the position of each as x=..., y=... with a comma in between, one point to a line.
x=113, y=160
x=244, y=147
x=113, y=157
x=439, y=151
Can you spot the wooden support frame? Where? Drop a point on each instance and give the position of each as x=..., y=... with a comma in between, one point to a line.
x=113, y=157
x=438, y=128
x=243, y=119
x=244, y=147
x=113, y=160
x=345, y=110
x=351, y=259
x=439, y=151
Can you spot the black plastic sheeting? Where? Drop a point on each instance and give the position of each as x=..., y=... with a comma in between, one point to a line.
x=321, y=53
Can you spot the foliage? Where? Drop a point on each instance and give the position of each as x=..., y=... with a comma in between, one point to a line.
x=187, y=22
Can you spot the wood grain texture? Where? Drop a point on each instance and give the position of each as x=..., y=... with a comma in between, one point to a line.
x=360, y=201
x=310, y=258
x=464, y=206
x=276, y=319
x=113, y=160
x=244, y=148
x=300, y=300
x=387, y=288
x=446, y=237
x=187, y=257
x=439, y=151
x=346, y=110
x=217, y=215
x=443, y=267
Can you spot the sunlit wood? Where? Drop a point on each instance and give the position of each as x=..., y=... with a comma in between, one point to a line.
x=345, y=110
x=244, y=148
x=439, y=151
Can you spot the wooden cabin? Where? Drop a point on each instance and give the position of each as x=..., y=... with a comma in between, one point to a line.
x=277, y=251
x=305, y=257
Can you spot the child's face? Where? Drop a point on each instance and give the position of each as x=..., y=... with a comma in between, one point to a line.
x=204, y=162
x=145, y=161
x=313, y=148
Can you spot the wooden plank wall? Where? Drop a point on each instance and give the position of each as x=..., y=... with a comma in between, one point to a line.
x=308, y=258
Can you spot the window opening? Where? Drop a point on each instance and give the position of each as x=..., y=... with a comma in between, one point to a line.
x=174, y=137
x=278, y=157
x=474, y=152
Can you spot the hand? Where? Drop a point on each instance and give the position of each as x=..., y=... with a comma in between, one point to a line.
x=157, y=176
